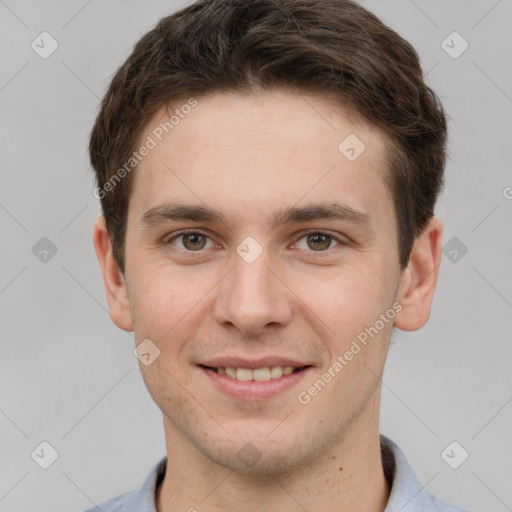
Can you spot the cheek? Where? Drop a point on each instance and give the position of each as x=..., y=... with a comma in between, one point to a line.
x=349, y=301
x=165, y=300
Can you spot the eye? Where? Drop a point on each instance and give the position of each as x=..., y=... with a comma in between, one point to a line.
x=191, y=240
x=317, y=241
x=195, y=241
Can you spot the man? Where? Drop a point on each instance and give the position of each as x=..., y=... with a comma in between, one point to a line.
x=268, y=172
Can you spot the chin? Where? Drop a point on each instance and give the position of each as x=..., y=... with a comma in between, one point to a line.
x=258, y=455
x=261, y=464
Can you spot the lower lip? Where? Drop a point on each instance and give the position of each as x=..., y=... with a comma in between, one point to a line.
x=252, y=389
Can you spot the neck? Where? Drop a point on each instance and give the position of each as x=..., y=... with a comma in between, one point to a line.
x=348, y=476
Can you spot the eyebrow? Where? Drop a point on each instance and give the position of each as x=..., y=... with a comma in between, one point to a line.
x=179, y=211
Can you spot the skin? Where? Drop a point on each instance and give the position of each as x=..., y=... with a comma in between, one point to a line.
x=249, y=156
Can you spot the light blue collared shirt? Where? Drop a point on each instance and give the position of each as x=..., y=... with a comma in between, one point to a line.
x=407, y=494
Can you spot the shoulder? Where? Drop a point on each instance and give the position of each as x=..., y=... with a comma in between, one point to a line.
x=407, y=494
x=139, y=500
x=435, y=505
x=121, y=503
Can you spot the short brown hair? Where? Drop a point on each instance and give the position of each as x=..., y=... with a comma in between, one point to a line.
x=334, y=48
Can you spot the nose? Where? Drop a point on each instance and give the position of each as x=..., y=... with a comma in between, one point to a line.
x=253, y=298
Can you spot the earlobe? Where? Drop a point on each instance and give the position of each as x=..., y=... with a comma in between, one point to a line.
x=113, y=279
x=419, y=279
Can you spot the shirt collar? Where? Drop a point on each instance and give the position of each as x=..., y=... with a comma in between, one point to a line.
x=407, y=494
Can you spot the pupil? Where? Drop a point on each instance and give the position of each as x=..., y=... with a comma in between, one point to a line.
x=193, y=240
x=323, y=239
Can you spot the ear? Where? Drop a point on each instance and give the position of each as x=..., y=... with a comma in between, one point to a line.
x=419, y=279
x=113, y=279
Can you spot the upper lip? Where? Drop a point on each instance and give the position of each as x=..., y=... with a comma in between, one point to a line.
x=241, y=362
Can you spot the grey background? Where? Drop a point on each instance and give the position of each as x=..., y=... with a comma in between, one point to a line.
x=68, y=375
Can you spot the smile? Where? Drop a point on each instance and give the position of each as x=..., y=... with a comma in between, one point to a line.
x=258, y=374
x=258, y=383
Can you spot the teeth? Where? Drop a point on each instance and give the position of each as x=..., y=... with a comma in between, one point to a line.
x=287, y=370
x=276, y=372
x=258, y=374
x=231, y=372
x=261, y=374
x=243, y=374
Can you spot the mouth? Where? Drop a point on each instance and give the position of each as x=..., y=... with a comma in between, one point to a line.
x=263, y=374
x=253, y=381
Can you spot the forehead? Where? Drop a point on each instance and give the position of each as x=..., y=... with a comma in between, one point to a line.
x=250, y=152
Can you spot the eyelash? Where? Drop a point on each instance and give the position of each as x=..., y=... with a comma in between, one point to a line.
x=167, y=241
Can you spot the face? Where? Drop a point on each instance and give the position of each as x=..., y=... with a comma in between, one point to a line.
x=256, y=247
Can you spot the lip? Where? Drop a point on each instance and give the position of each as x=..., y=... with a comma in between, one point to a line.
x=254, y=390
x=252, y=364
